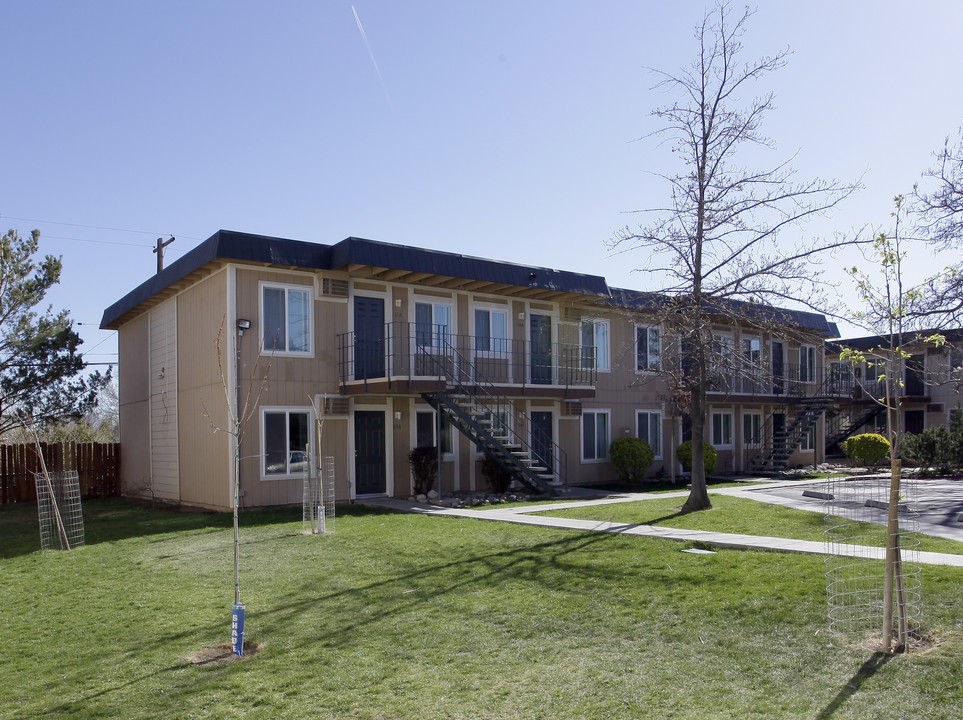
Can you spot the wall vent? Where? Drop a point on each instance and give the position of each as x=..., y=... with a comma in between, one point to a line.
x=935, y=408
x=333, y=287
x=573, y=314
x=335, y=406
x=572, y=409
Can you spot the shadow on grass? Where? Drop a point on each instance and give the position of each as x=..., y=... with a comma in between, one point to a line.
x=116, y=519
x=72, y=707
x=348, y=611
x=852, y=686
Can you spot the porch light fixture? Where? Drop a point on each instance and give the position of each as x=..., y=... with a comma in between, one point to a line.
x=243, y=325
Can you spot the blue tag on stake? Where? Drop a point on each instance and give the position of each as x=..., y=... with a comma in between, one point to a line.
x=237, y=628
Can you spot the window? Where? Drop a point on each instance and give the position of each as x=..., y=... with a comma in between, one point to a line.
x=648, y=427
x=491, y=330
x=285, y=438
x=807, y=364
x=841, y=376
x=595, y=334
x=286, y=318
x=752, y=429
x=722, y=429
x=808, y=441
x=956, y=360
x=432, y=325
x=648, y=348
x=426, y=426
x=752, y=360
x=722, y=363
x=595, y=434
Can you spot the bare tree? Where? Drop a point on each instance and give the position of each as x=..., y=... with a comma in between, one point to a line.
x=239, y=411
x=942, y=209
x=939, y=216
x=715, y=242
x=890, y=306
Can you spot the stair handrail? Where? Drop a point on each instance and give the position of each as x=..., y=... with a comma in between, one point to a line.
x=481, y=383
x=793, y=437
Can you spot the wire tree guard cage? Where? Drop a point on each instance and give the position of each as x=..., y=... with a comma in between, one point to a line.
x=317, y=515
x=857, y=510
x=59, y=509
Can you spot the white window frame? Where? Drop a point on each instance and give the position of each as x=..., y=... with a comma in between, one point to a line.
x=596, y=415
x=447, y=437
x=287, y=411
x=808, y=441
x=805, y=351
x=726, y=432
x=602, y=355
x=653, y=361
x=655, y=424
x=308, y=290
x=752, y=425
x=506, y=423
x=497, y=346
x=435, y=344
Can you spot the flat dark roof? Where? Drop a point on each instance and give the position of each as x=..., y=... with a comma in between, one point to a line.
x=244, y=247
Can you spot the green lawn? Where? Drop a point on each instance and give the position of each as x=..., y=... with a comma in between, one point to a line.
x=407, y=616
x=730, y=515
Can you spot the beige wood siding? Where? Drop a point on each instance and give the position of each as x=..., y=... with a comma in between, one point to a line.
x=289, y=382
x=205, y=460
x=163, y=401
x=134, y=405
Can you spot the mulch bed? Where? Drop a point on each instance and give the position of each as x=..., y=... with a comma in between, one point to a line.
x=222, y=654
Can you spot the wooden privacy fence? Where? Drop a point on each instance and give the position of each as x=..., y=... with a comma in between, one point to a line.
x=97, y=465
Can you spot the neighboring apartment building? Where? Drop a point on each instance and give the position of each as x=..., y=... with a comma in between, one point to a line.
x=929, y=391
x=363, y=350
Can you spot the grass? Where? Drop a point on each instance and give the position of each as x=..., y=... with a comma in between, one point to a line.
x=406, y=616
x=731, y=515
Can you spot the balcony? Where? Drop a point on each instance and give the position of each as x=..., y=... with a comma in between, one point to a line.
x=793, y=381
x=405, y=357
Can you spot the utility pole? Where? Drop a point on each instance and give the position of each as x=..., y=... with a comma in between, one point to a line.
x=161, y=244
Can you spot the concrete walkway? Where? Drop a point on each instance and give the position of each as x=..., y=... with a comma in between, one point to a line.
x=530, y=515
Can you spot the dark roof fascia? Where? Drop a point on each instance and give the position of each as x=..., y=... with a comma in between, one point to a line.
x=245, y=247
x=358, y=251
x=871, y=342
x=222, y=245
x=654, y=302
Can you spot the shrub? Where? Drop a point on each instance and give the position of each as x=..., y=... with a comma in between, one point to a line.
x=499, y=478
x=683, y=454
x=424, y=468
x=631, y=457
x=929, y=449
x=868, y=448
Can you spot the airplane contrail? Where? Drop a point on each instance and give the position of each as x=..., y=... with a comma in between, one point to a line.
x=374, y=62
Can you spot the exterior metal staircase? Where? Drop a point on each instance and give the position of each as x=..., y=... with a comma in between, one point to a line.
x=780, y=445
x=846, y=430
x=473, y=406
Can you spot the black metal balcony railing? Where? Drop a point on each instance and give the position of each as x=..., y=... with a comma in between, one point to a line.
x=402, y=352
x=794, y=381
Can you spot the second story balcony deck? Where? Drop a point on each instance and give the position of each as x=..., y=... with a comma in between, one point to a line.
x=404, y=357
x=791, y=382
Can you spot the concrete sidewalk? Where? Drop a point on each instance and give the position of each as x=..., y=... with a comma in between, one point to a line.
x=529, y=515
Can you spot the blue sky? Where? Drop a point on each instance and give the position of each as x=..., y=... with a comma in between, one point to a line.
x=510, y=130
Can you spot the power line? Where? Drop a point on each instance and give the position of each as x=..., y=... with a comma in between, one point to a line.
x=93, y=227
x=99, y=242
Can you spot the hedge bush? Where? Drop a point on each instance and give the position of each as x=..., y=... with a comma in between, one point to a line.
x=868, y=448
x=499, y=478
x=683, y=454
x=928, y=449
x=632, y=458
x=424, y=468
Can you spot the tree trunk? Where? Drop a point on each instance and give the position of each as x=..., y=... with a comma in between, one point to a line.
x=699, y=494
